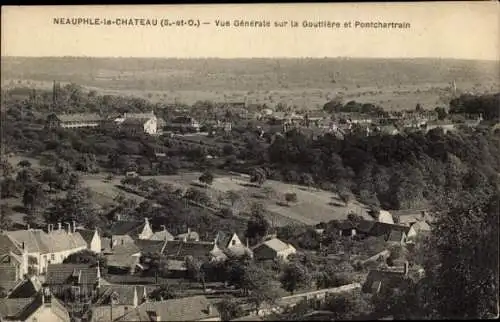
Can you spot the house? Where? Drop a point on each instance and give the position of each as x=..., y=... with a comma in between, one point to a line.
x=123, y=231
x=53, y=246
x=13, y=263
x=203, y=251
x=380, y=281
x=389, y=232
x=185, y=123
x=70, y=281
x=42, y=307
x=117, y=300
x=92, y=238
x=383, y=216
x=444, y=125
x=123, y=258
x=188, y=236
x=73, y=120
x=273, y=249
x=162, y=235
x=194, y=308
x=138, y=123
x=387, y=129
x=231, y=247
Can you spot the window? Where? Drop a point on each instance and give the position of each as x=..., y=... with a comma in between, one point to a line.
x=234, y=242
x=53, y=257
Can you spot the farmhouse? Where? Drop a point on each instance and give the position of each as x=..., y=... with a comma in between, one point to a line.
x=195, y=308
x=48, y=248
x=13, y=262
x=122, y=229
x=135, y=123
x=42, y=307
x=273, y=249
x=73, y=120
x=185, y=123
x=72, y=280
x=162, y=235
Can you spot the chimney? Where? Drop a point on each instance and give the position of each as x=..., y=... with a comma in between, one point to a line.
x=28, y=227
x=59, y=225
x=74, y=226
x=247, y=241
x=69, y=227
x=406, y=268
x=209, y=309
x=189, y=231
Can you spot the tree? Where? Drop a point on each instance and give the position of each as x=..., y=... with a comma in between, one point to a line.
x=461, y=265
x=294, y=277
x=290, y=197
x=307, y=179
x=258, y=176
x=331, y=277
x=76, y=206
x=256, y=283
x=257, y=225
x=5, y=217
x=164, y=292
x=24, y=164
x=85, y=257
x=441, y=112
x=233, y=197
x=8, y=188
x=194, y=271
x=229, y=309
x=34, y=197
x=207, y=178
x=346, y=195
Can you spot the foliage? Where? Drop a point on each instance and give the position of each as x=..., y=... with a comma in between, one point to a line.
x=258, y=176
x=229, y=309
x=290, y=197
x=5, y=217
x=294, y=277
x=207, y=178
x=86, y=257
x=257, y=225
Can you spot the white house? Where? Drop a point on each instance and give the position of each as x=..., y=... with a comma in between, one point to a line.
x=52, y=247
x=385, y=217
x=273, y=249
x=92, y=238
x=139, y=123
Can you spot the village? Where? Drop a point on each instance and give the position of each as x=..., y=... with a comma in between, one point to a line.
x=134, y=269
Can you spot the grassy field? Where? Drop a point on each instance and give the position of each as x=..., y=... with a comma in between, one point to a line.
x=306, y=83
x=312, y=206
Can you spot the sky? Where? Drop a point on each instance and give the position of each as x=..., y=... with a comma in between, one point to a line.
x=465, y=30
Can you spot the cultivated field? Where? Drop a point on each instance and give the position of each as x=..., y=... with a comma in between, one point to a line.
x=305, y=83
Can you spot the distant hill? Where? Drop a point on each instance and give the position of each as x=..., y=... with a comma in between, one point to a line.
x=205, y=77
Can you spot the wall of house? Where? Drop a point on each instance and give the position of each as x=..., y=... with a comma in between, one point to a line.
x=385, y=217
x=151, y=126
x=56, y=258
x=211, y=319
x=234, y=242
x=286, y=252
x=67, y=125
x=264, y=253
x=95, y=243
x=45, y=313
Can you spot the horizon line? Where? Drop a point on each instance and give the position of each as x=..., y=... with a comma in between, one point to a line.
x=256, y=57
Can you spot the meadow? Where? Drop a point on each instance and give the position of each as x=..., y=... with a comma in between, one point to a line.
x=394, y=84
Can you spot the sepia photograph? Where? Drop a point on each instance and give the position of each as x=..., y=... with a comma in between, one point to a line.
x=250, y=162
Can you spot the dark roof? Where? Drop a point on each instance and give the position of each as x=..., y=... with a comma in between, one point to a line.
x=150, y=246
x=123, y=227
x=63, y=273
x=22, y=308
x=11, y=308
x=87, y=234
x=27, y=288
x=182, y=309
x=8, y=278
x=87, y=117
x=124, y=294
x=122, y=261
x=182, y=249
x=125, y=249
x=380, y=229
x=387, y=280
x=7, y=245
x=135, y=121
